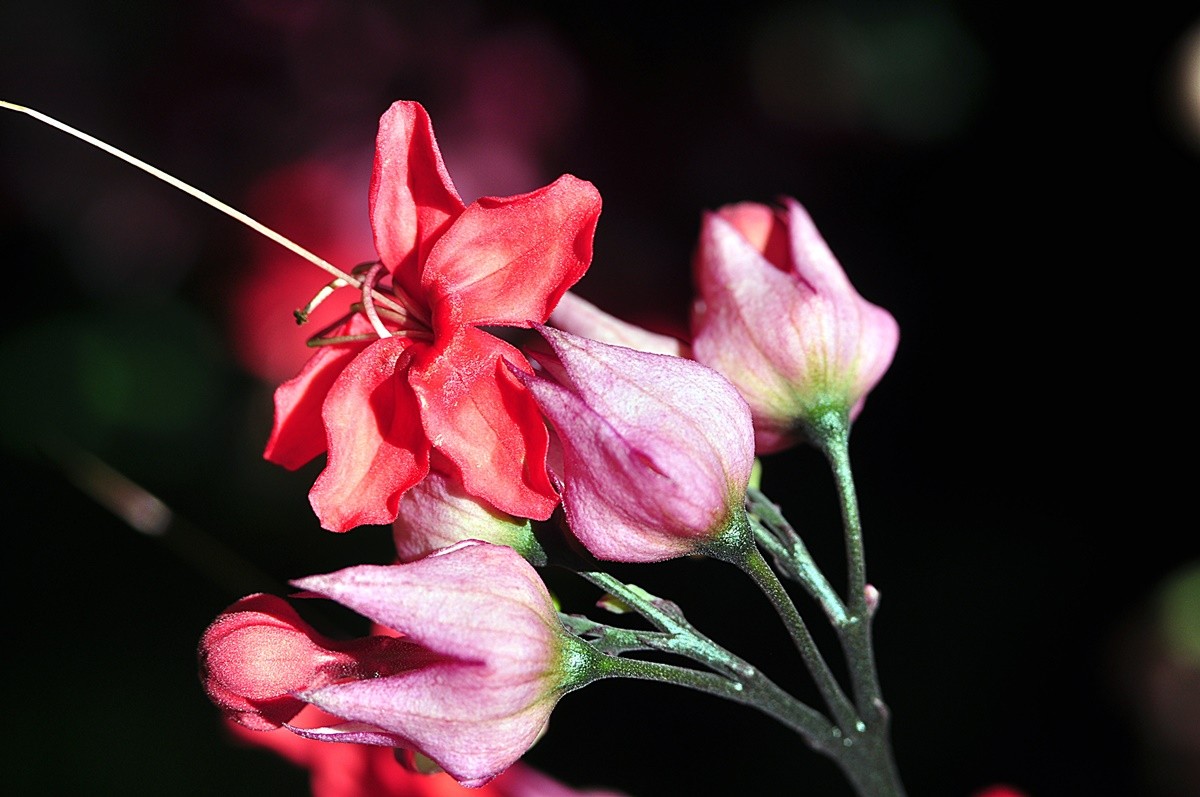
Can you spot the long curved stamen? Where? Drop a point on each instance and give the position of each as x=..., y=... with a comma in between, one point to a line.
x=207, y=199
x=369, y=301
x=323, y=294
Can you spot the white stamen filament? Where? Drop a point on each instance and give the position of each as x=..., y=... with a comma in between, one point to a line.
x=202, y=196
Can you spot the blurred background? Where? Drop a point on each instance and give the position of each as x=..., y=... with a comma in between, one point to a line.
x=1017, y=186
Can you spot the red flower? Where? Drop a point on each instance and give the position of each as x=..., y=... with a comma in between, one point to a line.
x=363, y=770
x=420, y=379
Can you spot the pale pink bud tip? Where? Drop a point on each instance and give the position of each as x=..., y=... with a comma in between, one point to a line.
x=871, y=595
x=778, y=316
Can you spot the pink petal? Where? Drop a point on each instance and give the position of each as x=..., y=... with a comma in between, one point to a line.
x=485, y=423
x=377, y=448
x=412, y=198
x=637, y=392
x=473, y=726
x=487, y=612
x=745, y=325
x=611, y=507
x=438, y=512
x=298, y=435
x=813, y=259
x=578, y=316
x=508, y=260
x=473, y=602
x=656, y=448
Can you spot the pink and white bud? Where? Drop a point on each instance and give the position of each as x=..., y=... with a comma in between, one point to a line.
x=438, y=512
x=777, y=316
x=657, y=450
x=496, y=659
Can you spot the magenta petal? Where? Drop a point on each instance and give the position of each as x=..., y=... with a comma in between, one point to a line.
x=748, y=328
x=508, y=260
x=438, y=512
x=377, y=448
x=412, y=198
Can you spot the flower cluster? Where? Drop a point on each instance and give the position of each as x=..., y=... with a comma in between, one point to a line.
x=467, y=444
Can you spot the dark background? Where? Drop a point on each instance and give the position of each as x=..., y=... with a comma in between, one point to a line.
x=1013, y=183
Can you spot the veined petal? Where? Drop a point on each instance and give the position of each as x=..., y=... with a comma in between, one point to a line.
x=811, y=256
x=578, y=316
x=298, y=434
x=412, y=198
x=509, y=260
x=657, y=450
x=635, y=391
x=861, y=336
x=472, y=726
x=484, y=422
x=739, y=288
x=377, y=448
x=472, y=602
x=478, y=707
x=612, y=507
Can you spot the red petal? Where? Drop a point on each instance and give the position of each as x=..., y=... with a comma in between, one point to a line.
x=486, y=423
x=509, y=260
x=377, y=448
x=412, y=197
x=298, y=434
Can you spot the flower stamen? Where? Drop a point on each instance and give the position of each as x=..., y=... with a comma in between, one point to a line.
x=323, y=294
x=368, y=301
x=207, y=199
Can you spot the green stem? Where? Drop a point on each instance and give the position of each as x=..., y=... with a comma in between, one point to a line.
x=680, y=636
x=776, y=535
x=832, y=436
x=747, y=557
x=755, y=691
x=871, y=767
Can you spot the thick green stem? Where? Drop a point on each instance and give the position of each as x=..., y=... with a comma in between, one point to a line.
x=753, y=690
x=871, y=766
x=750, y=560
x=832, y=435
x=776, y=535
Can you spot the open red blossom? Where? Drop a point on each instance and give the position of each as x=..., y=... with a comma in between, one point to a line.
x=425, y=381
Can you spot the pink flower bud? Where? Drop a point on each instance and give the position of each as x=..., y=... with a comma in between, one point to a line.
x=657, y=450
x=259, y=654
x=497, y=659
x=777, y=316
x=438, y=513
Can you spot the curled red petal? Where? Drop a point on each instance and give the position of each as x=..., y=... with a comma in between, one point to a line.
x=509, y=260
x=485, y=423
x=377, y=448
x=298, y=435
x=412, y=198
